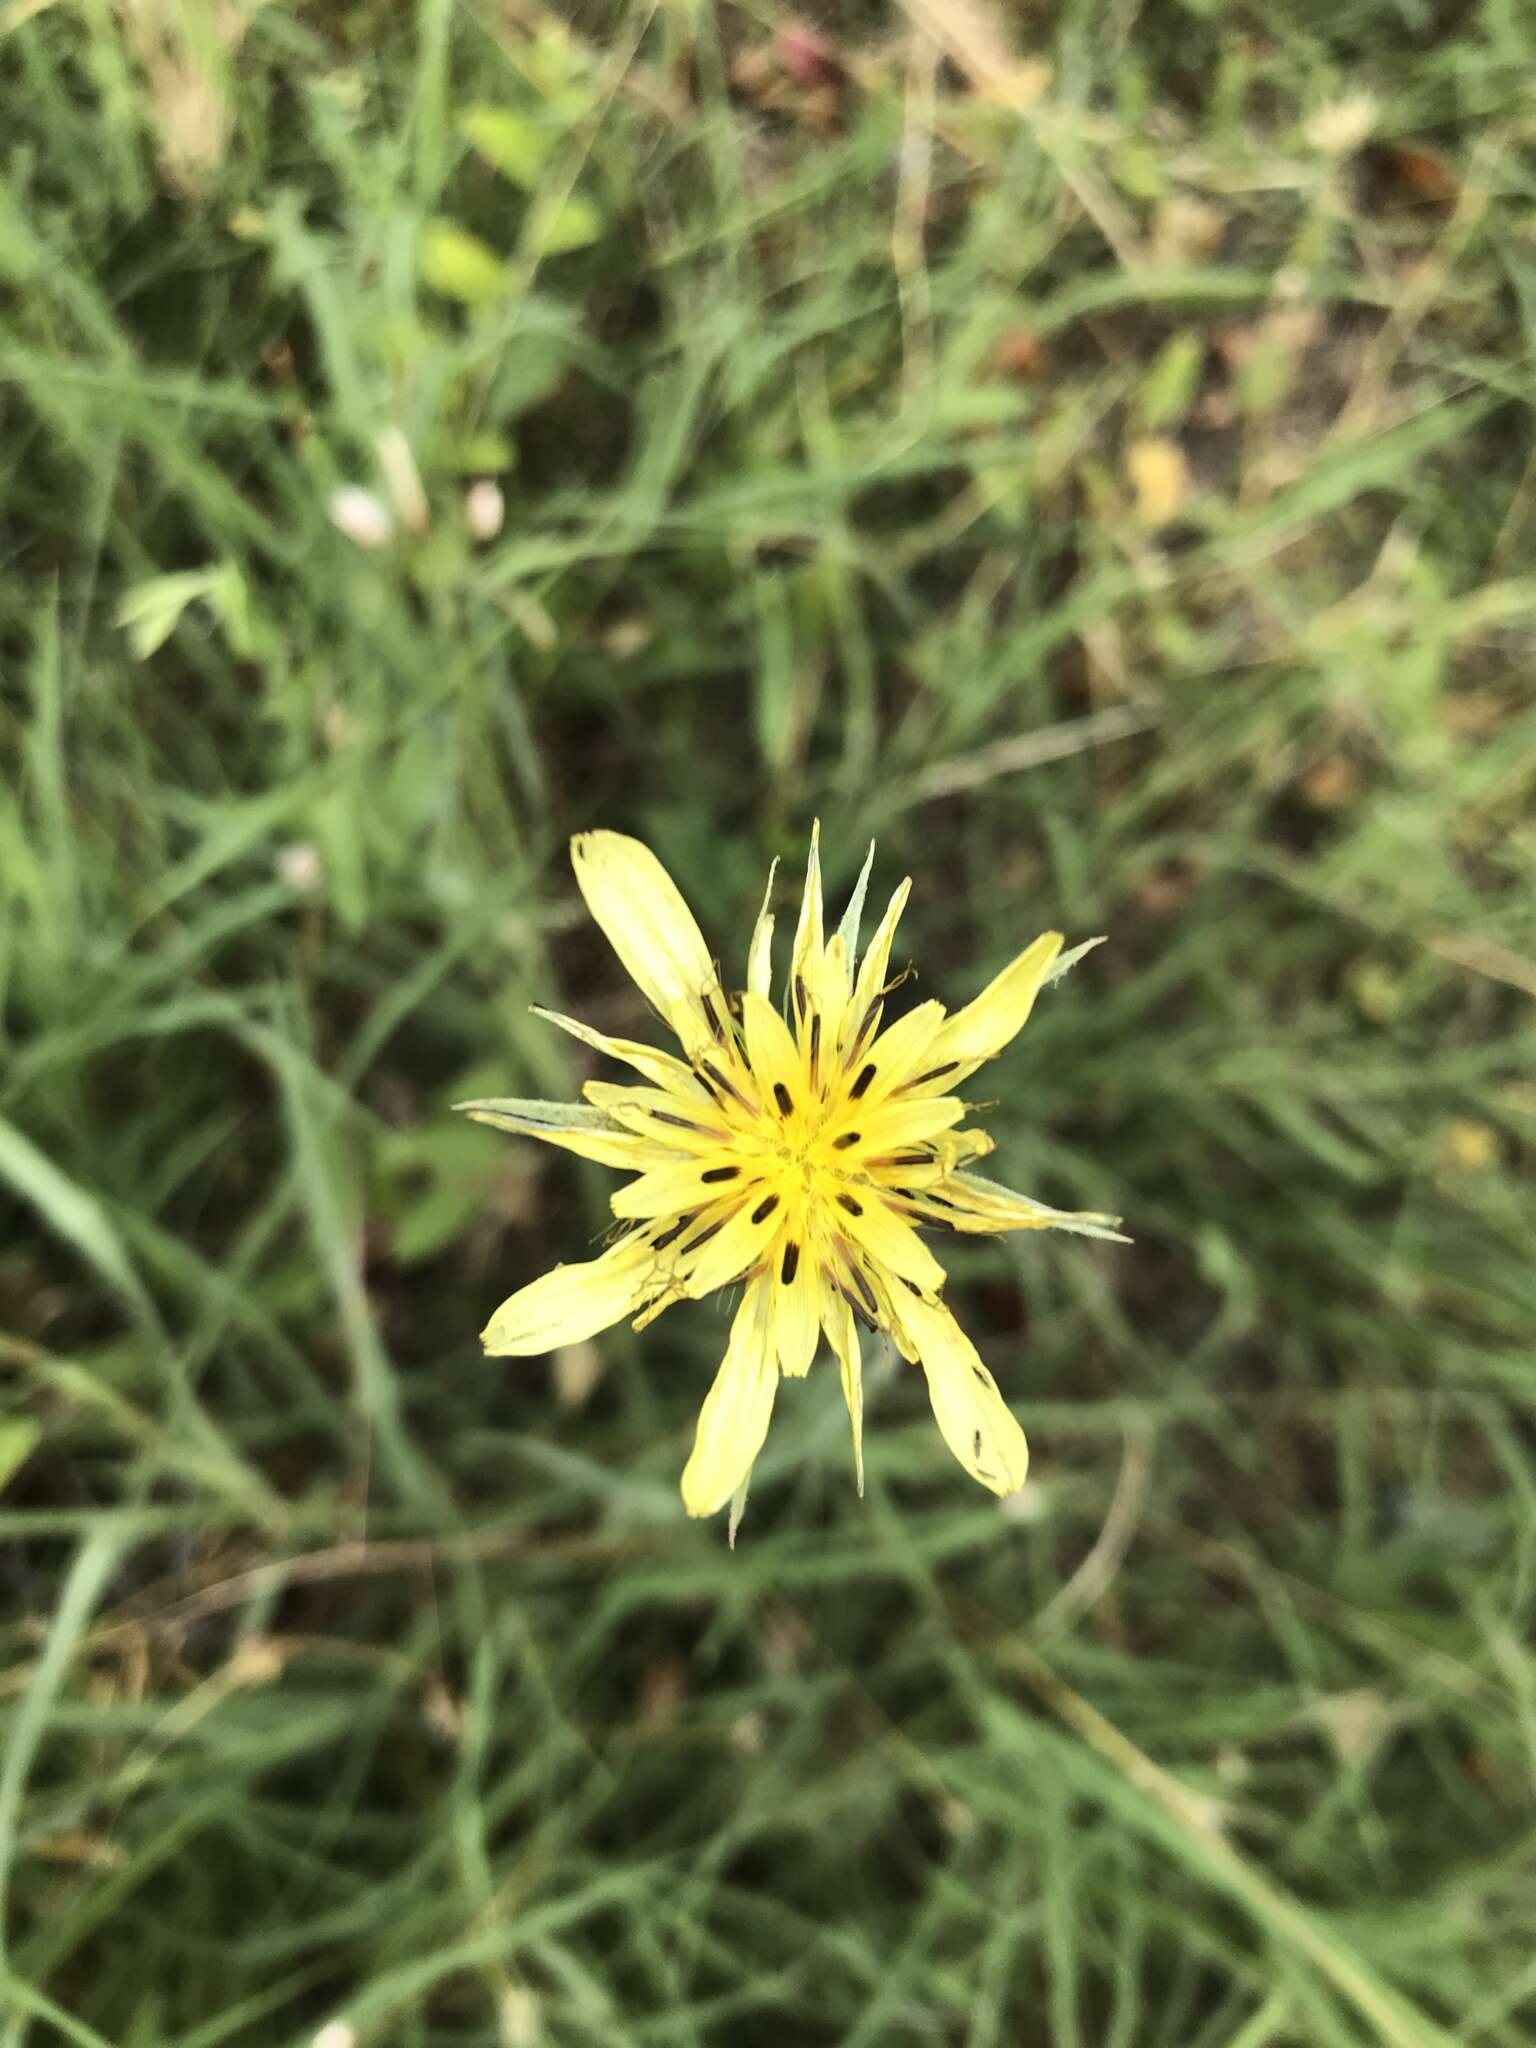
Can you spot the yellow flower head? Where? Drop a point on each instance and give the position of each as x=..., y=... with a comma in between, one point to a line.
x=799, y=1159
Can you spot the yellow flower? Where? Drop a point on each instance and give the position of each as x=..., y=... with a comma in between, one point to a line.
x=798, y=1159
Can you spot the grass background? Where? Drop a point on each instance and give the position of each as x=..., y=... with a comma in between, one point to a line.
x=1109, y=482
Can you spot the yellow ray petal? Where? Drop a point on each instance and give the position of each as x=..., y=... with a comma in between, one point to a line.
x=650, y=927
x=684, y=1124
x=797, y=1292
x=986, y=1205
x=946, y=1150
x=873, y=968
x=848, y=928
x=775, y=1060
x=734, y=1419
x=1000, y=1012
x=843, y=1335
x=972, y=1416
x=890, y=1125
x=760, y=953
x=887, y=1238
x=573, y=1126
x=896, y=1055
x=659, y=1067
x=572, y=1302
x=808, y=932
x=743, y=1241
x=826, y=989
x=683, y=1185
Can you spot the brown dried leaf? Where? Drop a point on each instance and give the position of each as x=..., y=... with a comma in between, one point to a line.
x=1331, y=783
x=1022, y=354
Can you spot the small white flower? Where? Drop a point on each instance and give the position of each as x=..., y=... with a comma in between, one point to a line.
x=360, y=516
x=299, y=867
x=484, y=509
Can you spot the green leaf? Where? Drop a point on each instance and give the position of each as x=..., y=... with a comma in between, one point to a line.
x=19, y=1438
x=517, y=147
x=460, y=266
x=231, y=602
x=1168, y=388
x=576, y=224
x=483, y=454
x=433, y=1183
x=74, y=1214
x=151, y=611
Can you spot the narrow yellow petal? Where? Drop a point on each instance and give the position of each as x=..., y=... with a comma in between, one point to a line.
x=760, y=953
x=734, y=1419
x=1000, y=1012
x=685, y=1124
x=572, y=1302
x=826, y=991
x=659, y=1067
x=888, y=1239
x=843, y=1335
x=681, y=1186
x=972, y=1416
x=573, y=1126
x=808, y=932
x=894, y=1057
x=650, y=927
x=775, y=1061
x=873, y=969
x=986, y=1205
x=946, y=1150
x=848, y=928
x=742, y=1242
x=890, y=1125
x=797, y=1292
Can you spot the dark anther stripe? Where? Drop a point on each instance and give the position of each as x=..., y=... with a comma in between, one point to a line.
x=800, y=994
x=791, y=1265
x=781, y=1096
x=815, y=1044
x=765, y=1208
x=665, y=1116
x=862, y=1082
x=676, y=1231
x=858, y=1307
x=714, y=1074
x=848, y=1138
x=933, y=1074
x=866, y=1292
x=713, y=1015
x=854, y=1208
x=721, y=1173
x=705, y=1235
